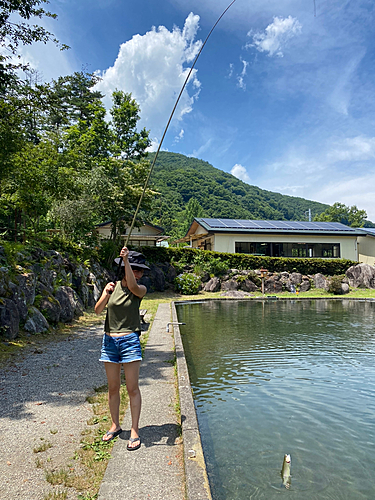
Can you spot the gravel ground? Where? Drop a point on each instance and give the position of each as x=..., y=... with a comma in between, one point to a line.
x=43, y=392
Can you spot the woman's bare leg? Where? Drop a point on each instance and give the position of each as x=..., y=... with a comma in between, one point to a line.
x=113, y=371
x=132, y=377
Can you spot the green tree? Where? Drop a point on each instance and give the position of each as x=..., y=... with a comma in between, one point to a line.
x=13, y=33
x=338, y=212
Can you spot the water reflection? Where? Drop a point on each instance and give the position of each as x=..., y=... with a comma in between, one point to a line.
x=295, y=377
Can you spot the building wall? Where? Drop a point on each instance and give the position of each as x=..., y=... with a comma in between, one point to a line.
x=366, y=249
x=226, y=242
x=105, y=231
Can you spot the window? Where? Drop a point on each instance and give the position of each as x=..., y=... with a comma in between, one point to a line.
x=297, y=250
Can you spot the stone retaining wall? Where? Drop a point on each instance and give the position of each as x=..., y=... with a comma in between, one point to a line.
x=47, y=287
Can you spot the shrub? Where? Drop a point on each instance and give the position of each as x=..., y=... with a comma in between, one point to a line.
x=187, y=283
x=181, y=257
x=335, y=284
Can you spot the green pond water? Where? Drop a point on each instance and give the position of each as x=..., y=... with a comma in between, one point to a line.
x=276, y=377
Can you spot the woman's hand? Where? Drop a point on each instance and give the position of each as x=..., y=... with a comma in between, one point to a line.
x=109, y=288
x=124, y=254
x=104, y=298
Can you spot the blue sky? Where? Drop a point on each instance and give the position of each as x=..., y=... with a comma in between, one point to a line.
x=281, y=98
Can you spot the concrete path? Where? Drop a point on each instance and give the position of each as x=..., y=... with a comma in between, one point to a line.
x=156, y=470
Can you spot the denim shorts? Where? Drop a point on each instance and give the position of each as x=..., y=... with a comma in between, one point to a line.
x=124, y=349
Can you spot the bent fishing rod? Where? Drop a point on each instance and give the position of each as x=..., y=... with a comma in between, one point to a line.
x=164, y=133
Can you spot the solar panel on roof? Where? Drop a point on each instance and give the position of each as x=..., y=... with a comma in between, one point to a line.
x=243, y=224
x=214, y=222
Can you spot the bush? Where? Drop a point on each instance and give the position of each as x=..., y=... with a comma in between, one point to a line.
x=181, y=257
x=187, y=284
x=335, y=284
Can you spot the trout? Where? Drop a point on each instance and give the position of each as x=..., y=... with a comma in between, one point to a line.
x=285, y=471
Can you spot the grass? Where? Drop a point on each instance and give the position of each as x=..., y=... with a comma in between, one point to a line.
x=56, y=495
x=46, y=445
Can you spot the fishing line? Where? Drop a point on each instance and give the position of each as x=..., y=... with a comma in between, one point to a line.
x=165, y=131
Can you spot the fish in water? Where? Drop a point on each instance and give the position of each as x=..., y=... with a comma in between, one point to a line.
x=285, y=471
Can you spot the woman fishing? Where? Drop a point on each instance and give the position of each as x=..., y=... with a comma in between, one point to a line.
x=121, y=343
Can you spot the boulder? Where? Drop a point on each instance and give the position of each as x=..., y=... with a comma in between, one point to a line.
x=230, y=285
x=344, y=288
x=27, y=285
x=213, y=285
x=70, y=303
x=321, y=281
x=9, y=319
x=272, y=285
x=248, y=286
x=4, y=281
x=154, y=280
x=305, y=286
x=295, y=278
x=19, y=299
x=36, y=322
x=93, y=294
x=361, y=276
x=50, y=308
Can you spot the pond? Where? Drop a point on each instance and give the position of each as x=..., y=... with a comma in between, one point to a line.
x=284, y=377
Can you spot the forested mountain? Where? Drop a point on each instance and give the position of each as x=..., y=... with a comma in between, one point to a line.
x=179, y=178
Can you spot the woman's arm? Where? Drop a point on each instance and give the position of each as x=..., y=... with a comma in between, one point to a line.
x=102, y=302
x=131, y=282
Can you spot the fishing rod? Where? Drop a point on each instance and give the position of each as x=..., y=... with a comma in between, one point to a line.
x=165, y=131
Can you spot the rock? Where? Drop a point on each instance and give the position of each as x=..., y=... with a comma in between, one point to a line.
x=19, y=299
x=361, y=276
x=235, y=293
x=321, y=281
x=305, y=285
x=27, y=284
x=154, y=280
x=344, y=288
x=248, y=286
x=70, y=303
x=9, y=319
x=230, y=285
x=93, y=294
x=4, y=281
x=50, y=308
x=213, y=285
x=295, y=278
x=36, y=322
x=271, y=285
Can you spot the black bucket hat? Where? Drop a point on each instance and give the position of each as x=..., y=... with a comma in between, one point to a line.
x=135, y=259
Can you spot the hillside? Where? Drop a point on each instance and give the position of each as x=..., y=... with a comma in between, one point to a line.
x=179, y=178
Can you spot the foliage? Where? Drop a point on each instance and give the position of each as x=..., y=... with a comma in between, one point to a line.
x=181, y=257
x=220, y=194
x=338, y=212
x=13, y=33
x=187, y=283
x=335, y=283
x=63, y=164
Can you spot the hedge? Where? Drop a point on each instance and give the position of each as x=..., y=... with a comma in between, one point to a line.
x=193, y=256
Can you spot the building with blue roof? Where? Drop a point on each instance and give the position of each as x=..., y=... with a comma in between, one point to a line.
x=331, y=240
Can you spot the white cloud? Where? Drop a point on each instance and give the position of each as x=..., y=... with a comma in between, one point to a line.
x=240, y=172
x=179, y=136
x=275, y=36
x=358, y=148
x=240, y=78
x=153, y=68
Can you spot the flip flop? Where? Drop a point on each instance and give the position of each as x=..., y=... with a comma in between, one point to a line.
x=133, y=440
x=113, y=434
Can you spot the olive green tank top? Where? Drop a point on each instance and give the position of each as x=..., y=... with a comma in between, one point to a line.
x=122, y=311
